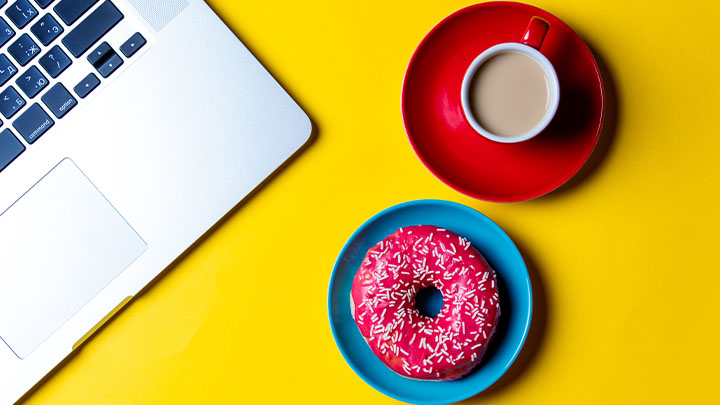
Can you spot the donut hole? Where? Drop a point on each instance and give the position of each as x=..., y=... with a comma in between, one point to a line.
x=429, y=301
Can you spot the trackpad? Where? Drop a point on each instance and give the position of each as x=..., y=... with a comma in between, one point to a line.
x=60, y=244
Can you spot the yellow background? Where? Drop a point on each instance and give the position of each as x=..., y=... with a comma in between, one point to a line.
x=624, y=261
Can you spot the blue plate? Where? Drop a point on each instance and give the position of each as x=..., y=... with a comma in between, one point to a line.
x=515, y=300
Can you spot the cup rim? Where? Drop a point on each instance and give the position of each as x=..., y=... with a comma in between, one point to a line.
x=549, y=71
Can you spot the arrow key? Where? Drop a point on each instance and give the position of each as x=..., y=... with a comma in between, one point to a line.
x=105, y=59
x=87, y=85
x=133, y=45
x=110, y=65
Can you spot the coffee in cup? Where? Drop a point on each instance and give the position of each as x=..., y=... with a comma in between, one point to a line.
x=510, y=93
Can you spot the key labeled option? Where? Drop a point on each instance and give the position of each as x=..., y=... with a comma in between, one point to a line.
x=10, y=102
x=55, y=61
x=133, y=45
x=87, y=85
x=33, y=123
x=10, y=148
x=31, y=82
x=58, y=100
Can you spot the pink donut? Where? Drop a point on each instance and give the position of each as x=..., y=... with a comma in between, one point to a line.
x=383, y=303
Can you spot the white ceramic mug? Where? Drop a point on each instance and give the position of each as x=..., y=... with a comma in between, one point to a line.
x=531, y=42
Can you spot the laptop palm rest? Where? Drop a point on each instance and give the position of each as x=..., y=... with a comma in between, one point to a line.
x=60, y=244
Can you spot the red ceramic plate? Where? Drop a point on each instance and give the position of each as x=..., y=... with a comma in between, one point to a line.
x=463, y=159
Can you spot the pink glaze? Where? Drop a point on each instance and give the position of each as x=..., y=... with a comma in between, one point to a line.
x=383, y=302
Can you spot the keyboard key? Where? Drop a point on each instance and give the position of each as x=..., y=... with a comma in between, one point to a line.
x=33, y=123
x=43, y=3
x=110, y=65
x=6, y=32
x=10, y=102
x=70, y=10
x=10, y=148
x=21, y=13
x=105, y=59
x=103, y=51
x=132, y=45
x=55, y=61
x=2, y=2
x=87, y=85
x=7, y=69
x=32, y=82
x=92, y=28
x=59, y=101
x=47, y=29
x=24, y=49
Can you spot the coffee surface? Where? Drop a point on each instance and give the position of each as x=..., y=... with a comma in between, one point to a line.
x=509, y=94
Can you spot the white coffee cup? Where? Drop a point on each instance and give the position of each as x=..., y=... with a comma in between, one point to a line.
x=533, y=37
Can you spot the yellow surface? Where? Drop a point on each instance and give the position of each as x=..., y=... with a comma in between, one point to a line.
x=624, y=261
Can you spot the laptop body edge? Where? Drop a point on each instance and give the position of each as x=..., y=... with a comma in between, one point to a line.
x=197, y=125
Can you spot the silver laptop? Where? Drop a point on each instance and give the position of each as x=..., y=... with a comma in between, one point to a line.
x=129, y=128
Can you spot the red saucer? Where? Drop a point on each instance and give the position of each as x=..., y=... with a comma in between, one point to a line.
x=462, y=158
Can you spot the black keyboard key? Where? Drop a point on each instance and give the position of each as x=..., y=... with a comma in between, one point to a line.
x=91, y=29
x=58, y=100
x=10, y=148
x=32, y=82
x=7, y=69
x=105, y=59
x=70, y=10
x=6, y=32
x=110, y=65
x=87, y=85
x=103, y=51
x=43, y=3
x=24, y=49
x=47, y=29
x=132, y=45
x=55, y=61
x=10, y=102
x=33, y=123
x=21, y=13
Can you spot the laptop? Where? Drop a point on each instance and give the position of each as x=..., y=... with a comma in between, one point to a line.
x=129, y=128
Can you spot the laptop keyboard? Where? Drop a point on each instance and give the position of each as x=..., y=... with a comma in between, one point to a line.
x=33, y=94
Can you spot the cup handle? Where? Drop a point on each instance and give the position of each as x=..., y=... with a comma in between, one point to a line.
x=535, y=32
